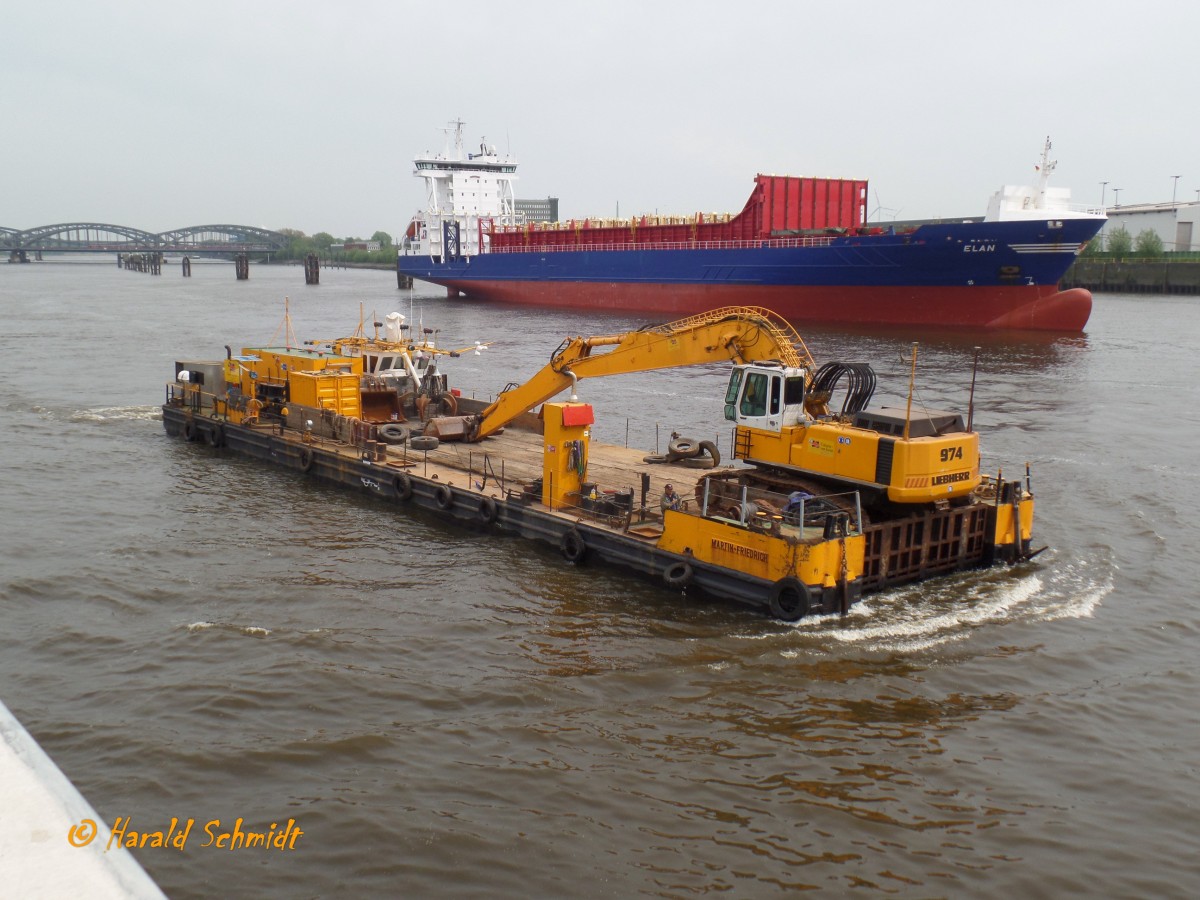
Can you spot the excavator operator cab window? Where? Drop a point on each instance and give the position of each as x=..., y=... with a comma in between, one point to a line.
x=793, y=390
x=754, y=397
x=731, y=394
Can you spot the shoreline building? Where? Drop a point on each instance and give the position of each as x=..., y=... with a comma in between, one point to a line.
x=1174, y=223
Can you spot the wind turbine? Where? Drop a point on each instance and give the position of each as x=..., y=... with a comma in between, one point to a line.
x=881, y=208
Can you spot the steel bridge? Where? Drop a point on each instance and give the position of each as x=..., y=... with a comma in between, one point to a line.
x=96, y=237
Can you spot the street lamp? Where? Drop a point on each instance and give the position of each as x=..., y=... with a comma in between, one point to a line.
x=1173, y=186
x=1103, y=185
x=1117, y=194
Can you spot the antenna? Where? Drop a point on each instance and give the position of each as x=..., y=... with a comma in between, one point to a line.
x=971, y=402
x=912, y=377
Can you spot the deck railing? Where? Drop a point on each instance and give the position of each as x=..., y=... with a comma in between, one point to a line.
x=536, y=247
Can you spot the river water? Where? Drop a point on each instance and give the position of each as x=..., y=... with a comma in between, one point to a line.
x=445, y=714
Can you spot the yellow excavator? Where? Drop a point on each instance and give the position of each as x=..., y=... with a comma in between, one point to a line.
x=779, y=403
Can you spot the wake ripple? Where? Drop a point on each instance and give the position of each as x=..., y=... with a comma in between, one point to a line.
x=919, y=617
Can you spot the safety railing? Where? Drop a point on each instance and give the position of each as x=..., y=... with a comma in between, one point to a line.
x=798, y=513
x=535, y=246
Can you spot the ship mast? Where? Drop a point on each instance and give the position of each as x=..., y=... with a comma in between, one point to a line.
x=1044, y=170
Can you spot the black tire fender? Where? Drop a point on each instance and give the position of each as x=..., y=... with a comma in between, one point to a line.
x=402, y=485
x=306, y=459
x=189, y=430
x=683, y=448
x=788, y=599
x=488, y=510
x=393, y=433
x=216, y=436
x=678, y=574
x=573, y=547
x=443, y=496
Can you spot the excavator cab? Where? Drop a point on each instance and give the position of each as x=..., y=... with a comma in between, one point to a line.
x=765, y=395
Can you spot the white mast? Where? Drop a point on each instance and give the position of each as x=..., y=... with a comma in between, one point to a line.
x=1047, y=166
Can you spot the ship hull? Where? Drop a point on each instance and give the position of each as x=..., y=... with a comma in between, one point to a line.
x=1001, y=275
x=1006, y=308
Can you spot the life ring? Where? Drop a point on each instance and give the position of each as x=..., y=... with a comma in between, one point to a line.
x=402, y=485
x=573, y=547
x=788, y=599
x=189, y=430
x=682, y=448
x=443, y=496
x=424, y=442
x=216, y=436
x=306, y=459
x=678, y=574
x=488, y=510
x=393, y=433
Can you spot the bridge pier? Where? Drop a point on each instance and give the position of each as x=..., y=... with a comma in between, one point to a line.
x=312, y=269
x=186, y=266
x=142, y=262
x=241, y=264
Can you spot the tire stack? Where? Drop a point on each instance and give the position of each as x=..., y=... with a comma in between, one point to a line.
x=688, y=452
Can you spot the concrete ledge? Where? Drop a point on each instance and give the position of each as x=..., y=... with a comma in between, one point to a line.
x=41, y=807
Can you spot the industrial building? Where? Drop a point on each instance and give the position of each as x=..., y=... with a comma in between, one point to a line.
x=1174, y=223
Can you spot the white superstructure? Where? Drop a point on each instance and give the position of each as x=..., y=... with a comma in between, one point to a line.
x=464, y=194
x=1039, y=201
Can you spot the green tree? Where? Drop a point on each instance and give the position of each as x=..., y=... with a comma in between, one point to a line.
x=1119, y=242
x=1148, y=244
x=322, y=239
x=385, y=239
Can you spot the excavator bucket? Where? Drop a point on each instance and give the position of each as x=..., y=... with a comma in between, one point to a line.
x=448, y=428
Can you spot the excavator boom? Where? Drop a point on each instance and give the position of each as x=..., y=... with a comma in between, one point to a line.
x=738, y=334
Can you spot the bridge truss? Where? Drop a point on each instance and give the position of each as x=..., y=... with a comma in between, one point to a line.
x=97, y=237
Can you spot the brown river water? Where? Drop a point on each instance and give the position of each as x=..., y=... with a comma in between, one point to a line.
x=446, y=714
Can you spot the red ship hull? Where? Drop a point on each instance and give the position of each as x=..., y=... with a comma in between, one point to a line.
x=1016, y=307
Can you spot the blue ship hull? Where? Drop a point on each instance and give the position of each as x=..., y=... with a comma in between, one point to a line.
x=972, y=274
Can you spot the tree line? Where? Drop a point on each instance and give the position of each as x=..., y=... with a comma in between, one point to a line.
x=1120, y=244
x=301, y=245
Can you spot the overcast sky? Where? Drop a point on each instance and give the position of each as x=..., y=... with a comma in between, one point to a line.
x=307, y=115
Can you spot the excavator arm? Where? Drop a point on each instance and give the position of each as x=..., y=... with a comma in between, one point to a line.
x=738, y=334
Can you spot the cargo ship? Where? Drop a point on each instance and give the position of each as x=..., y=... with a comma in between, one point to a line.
x=802, y=247
x=825, y=503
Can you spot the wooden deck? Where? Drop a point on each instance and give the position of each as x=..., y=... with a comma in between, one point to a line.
x=514, y=458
